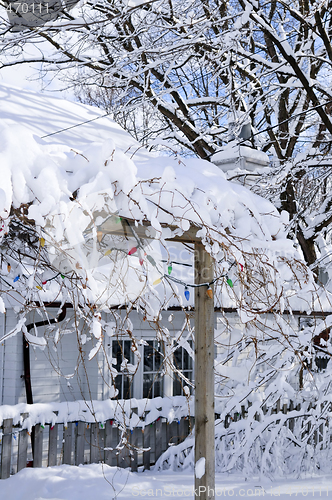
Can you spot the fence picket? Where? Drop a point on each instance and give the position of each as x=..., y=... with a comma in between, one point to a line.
x=111, y=441
x=291, y=420
x=79, y=443
x=38, y=446
x=94, y=445
x=22, y=446
x=101, y=441
x=123, y=455
x=6, y=450
x=67, y=445
x=53, y=445
x=158, y=438
x=182, y=432
x=134, y=441
x=146, y=445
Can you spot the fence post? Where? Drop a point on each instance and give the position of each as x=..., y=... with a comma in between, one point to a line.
x=204, y=371
x=22, y=446
x=53, y=445
x=6, y=451
x=38, y=446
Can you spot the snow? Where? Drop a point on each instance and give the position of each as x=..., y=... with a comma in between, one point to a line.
x=35, y=341
x=103, y=482
x=148, y=410
x=112, y=176
x=239, y=373
x=44, y=114
x=200, y=468
x=2, y=306
x=232, y=151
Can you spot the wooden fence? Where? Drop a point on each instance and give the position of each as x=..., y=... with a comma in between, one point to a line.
x=82, y=443
x=110, y=442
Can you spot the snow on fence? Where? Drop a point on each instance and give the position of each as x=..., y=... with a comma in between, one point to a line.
x=276, y=439
x=140, y=433
x=80, y=443
x=132, y=433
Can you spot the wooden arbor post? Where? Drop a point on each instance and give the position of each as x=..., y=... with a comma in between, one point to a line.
x=204, y=374
x=204, y=348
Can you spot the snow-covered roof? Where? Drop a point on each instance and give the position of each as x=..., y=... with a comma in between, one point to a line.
x=43, y=114
x=111, y=175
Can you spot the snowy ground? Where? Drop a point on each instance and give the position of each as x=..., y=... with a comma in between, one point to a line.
x=97, y=482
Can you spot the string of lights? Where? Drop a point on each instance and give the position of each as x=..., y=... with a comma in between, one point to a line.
x=168, y=276
x=134, y=250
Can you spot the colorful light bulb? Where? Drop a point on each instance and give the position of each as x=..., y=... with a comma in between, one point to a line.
x=133, y=250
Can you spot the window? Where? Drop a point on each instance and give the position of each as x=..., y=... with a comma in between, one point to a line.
x=153, y=385
x=122, y=354
x=183, y=363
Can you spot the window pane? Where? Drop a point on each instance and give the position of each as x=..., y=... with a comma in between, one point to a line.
x=177, y=389
x=118, y=386
x=147, y=385
x=186, y=360
x=148, y=357
x=157, y=386
x=188, y=375
x=122, y=349
x=126, y=387
x=178, y=358
x=127, y=350
x=116, y=353
x=158, y=358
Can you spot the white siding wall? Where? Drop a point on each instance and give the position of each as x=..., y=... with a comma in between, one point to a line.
x=11, y=362
x=56, y=374
x=51, y=368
